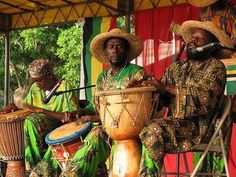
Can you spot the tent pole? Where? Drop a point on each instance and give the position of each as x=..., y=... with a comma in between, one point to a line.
x=127, y=23
x=7, y=69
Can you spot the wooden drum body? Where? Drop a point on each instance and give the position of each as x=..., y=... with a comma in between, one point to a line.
x=124, y=114
x=12, y=141
x=64, y=141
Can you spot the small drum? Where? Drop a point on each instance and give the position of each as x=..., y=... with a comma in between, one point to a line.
x=12, y=147
x=125, y=112
x=64, y=141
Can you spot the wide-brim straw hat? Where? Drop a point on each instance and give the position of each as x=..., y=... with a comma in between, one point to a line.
x=208, y=26
x=201, y=3
x=97, y=44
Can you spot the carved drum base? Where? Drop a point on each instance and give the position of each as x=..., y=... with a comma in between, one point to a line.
x=15, y=168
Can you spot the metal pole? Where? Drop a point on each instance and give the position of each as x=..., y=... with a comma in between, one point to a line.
x=7, y=69
x=127, y=23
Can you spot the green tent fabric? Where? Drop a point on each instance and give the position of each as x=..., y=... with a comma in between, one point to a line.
x=231, y=80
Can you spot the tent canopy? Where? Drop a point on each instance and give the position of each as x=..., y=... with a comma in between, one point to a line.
x=22, y=14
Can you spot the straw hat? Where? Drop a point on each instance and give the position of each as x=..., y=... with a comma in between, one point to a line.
x=208, y=26
x=97, y=44
x=201, y=3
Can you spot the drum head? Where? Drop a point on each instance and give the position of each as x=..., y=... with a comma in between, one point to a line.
x=14, y=116
x=67, y=133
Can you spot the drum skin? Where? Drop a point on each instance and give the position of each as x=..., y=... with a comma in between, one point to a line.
x=124, y=113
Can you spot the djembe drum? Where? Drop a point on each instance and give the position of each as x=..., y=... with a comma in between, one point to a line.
x=124, y=113
x=12, y=142
x=64, y=141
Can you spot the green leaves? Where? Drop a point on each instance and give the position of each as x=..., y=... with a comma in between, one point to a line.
x=61, y=44
x=69, y=50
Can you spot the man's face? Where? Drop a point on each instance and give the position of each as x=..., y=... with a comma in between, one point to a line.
x=116, y=51
x=42, y=82
x=199, y=38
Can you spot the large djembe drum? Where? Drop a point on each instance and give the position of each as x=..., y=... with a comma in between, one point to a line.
x=124, y=113
x=12, y=142
x=65, y=141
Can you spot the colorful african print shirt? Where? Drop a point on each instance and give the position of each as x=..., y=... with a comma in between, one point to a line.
x=122, y=79
x=61, y=103
x=199, y=89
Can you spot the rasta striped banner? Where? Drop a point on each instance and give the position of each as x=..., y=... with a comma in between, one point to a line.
x=231, y=80
x=90, y=67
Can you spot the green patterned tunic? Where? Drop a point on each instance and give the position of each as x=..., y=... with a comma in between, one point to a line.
x=37, y=126
x=96, y=148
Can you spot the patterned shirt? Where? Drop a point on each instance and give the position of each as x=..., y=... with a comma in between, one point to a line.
x=122, y=79
x=200, y=89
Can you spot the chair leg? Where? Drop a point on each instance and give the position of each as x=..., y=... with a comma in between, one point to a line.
x=164, y=170
x=202, y=158
x=224, y=153
x=216, y=133
x=177, y=164
x=186, y=164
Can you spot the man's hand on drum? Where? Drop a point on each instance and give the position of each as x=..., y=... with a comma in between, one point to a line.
x=11, y=107
x=151, y=81
x=88, y=118
x=67, y=117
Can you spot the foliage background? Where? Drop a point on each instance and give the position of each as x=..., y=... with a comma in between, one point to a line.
x=60, y=44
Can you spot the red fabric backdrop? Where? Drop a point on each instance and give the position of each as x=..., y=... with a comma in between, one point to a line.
x=161, y=47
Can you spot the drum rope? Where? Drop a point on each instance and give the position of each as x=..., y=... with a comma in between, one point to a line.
x=103, y=118
x=110, y=158
x=142, y=98
x=55, y=157
x=66, y=155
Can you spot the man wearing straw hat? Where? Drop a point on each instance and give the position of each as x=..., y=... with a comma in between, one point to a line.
x=192, y=90
x=116, y=48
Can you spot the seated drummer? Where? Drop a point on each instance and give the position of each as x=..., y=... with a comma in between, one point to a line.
x=193, y=90
x=116, y=48
x=47, y=116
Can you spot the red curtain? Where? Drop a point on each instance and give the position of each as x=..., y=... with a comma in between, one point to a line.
x=160, y=47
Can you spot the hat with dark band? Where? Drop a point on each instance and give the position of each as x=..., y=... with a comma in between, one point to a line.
x=97, y=44
x=208, y=26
